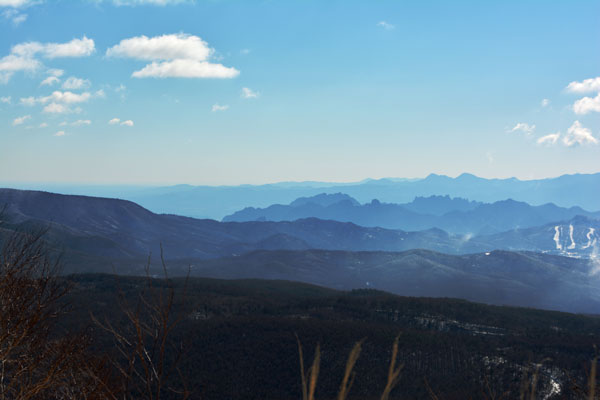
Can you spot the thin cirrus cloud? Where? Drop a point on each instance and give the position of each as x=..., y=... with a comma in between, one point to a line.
x=21, y=120
x=523, y=127
x=17, y=3
x=248, y=93
x=577, y=134
x=218, y=107
x=15, y=16
x=150, y=2
x=117, y=121
x=24, y=56
x=81, y=122
x=172, y=56
x=386, y=25
x=50, y=81
x=74, y=83
x=549, y=139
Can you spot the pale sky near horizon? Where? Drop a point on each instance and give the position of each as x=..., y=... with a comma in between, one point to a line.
x=232, y=92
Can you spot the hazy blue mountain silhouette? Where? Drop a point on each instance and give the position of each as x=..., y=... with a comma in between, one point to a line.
x=215, y=202
x=117, y=229
x=453, y=215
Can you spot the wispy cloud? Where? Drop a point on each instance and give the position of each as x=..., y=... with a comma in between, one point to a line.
x=523, y=127
x=17, y=3
x=545, y=103
x=15, y=16
x=6, y=99
x=60, y=133
x=60, y=102
x=173, y=56
x=386, y=25
x=50, y=81
x=218, y=107
x=149, y=2
x=74, y=83
x=81, y=122
x=248, y=93
x=117, y=121
x=21, y=120
x=579, y=135
x=549, y=139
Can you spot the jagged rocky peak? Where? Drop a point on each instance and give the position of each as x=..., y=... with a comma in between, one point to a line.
x=324, y=199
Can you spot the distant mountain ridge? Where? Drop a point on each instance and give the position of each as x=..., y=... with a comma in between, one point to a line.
x=454, y=215
x=215, y=202
x=116, y=229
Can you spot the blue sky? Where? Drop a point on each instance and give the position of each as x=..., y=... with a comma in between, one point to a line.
x=230, y=92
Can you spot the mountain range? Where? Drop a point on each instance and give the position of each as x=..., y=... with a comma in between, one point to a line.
x=120, y=229
x=111, y=235
x=454, y=215
x=215, y=202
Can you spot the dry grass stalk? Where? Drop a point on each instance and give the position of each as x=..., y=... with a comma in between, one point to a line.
x=393, y=372
x=348, y=373
x=308, y=392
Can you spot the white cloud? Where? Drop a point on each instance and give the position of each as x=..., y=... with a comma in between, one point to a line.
x=523, y=127
x=22, y=56
x=66, y=97
x=218, y=107
x=173, y=56
x=549, y=139
x=43, y=125
x=56, y=108
x=545, y=103
x=74, y=83
x=577, y=134
x=165, y=47
x=21, y=120
x=114, y=121
x=6, y=100
x=245, y=51
x=15, y=16
x=58, y=100
x=585, y=86
x=60, y=133
x=248, y=93
x=81, y=122
x=64, y=123
x=49, y=81
x=16, y=3
x=55, y=72
x=127, y=123
x=185, y=69
x=149, y=2
x=28, y=101
x=386, y=25
x=587, y=104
